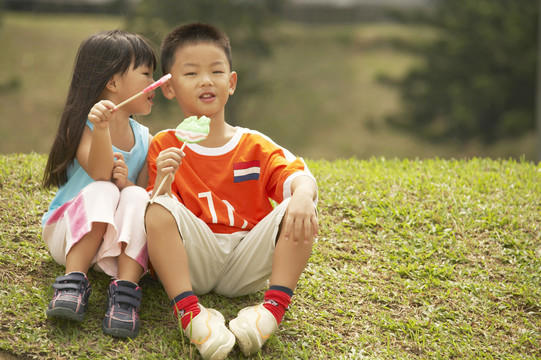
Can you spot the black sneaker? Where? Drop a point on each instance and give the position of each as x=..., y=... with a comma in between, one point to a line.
x=70, y=298
x=122, y=316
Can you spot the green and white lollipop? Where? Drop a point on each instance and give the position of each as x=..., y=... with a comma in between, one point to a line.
x=190, y=130
x=193, y=130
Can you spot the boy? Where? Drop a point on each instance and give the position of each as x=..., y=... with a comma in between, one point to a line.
x=213, y=227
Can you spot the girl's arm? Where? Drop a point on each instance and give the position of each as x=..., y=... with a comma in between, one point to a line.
x=95, y=151
x=142, y=178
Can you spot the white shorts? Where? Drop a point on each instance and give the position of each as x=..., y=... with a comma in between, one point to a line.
x=101, y=201
x=228, y=264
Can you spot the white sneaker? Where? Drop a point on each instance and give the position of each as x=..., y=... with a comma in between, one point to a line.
x=252, y=327
x=207, y=331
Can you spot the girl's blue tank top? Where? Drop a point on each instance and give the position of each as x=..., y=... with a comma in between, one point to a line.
x=78, y=178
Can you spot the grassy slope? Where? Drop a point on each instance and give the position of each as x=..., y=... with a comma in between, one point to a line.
x=434, y=259
x=38, y=52
x=319, y=98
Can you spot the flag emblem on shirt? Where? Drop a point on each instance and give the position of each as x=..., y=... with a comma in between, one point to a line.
x=245, y=171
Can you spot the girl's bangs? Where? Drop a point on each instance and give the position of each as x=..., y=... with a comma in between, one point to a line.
x=143, y=54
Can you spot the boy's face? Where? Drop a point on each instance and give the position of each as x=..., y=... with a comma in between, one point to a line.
x=201, y=80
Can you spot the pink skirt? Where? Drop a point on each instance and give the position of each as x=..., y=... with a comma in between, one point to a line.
x=102, y=202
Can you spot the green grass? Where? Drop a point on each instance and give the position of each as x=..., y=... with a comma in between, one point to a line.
x=318, y=95
x=426, y=259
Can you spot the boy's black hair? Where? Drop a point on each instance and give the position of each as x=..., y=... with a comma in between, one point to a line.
x=191, y=34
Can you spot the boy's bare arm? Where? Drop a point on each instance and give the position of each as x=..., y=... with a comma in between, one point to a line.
x=301, y=218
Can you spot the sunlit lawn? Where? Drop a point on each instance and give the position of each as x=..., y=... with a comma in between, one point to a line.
x=434, y=259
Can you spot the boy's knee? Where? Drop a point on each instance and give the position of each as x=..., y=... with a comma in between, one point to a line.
x=157, y=217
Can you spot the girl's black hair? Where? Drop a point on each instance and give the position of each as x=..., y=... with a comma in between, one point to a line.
x=99, y=58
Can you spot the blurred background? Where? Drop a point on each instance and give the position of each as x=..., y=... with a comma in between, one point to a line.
x=326, y=79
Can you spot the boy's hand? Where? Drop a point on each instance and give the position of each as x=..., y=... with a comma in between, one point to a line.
x=120, y=171
x=167, y=163
x=301, y=219
x=101, y=114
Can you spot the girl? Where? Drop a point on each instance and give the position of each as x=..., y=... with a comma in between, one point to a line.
x=97, y=158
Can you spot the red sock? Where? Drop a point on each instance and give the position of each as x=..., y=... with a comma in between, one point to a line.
x=277, y=299
x=186, y=307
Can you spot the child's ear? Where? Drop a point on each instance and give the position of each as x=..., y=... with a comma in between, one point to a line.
x=168, y=90
x=112, y=84
x=232, y=82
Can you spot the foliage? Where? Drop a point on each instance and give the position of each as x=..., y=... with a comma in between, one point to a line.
x=478, y=77
x=318, y=93
x=244, y=22
x=433, y=259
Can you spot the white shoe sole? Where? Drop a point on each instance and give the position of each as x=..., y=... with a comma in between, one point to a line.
x=224, y=350
x=249, y=345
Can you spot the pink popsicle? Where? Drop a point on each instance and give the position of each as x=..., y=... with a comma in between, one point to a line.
x=151, y=87
x=157, y=84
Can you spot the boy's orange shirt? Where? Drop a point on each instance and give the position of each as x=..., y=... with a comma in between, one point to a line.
x=229, y=187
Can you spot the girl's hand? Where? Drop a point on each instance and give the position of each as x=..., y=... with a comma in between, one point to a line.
x=101, y=114
x=120, y=172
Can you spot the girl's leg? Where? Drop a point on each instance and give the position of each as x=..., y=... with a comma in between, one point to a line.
x=71, y=245
x=127, y=259
x=123, y=254
x=128, y=268
x=124, y=299
x=72, y=291
x=80, y=256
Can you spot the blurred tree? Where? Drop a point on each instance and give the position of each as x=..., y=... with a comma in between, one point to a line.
x=244, y=21
x=478, y=76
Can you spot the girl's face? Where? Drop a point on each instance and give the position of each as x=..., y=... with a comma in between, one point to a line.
x=201, y=80
x=132, y=82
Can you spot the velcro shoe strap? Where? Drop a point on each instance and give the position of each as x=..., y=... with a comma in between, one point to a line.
x=72, y=277
x=72, y=281
x=67, y=286
x=129, y=291
x=128, y=295
x=123, y=299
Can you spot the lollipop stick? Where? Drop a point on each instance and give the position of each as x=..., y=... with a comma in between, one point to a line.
x=160, y=187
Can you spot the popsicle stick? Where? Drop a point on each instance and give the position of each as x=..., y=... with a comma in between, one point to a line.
x=130, y=99
x=149, y=88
